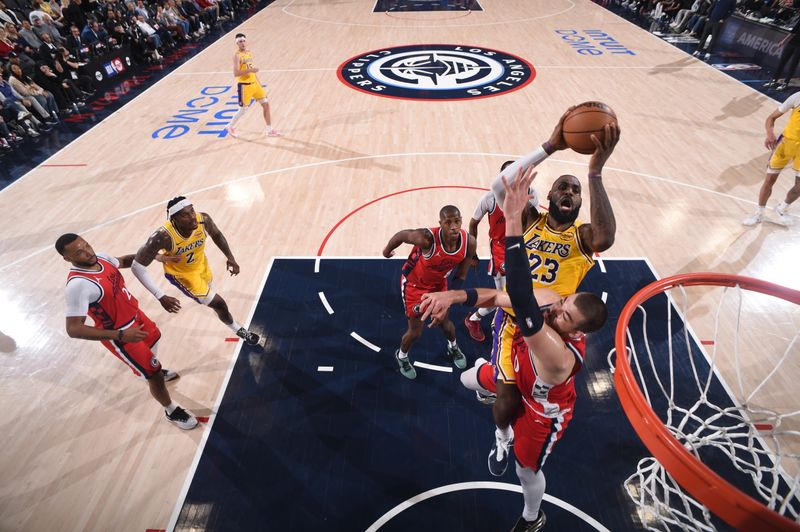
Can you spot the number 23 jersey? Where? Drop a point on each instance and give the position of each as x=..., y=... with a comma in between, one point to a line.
x=557, y=259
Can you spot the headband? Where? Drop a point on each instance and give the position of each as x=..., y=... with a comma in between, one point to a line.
x=172, y=211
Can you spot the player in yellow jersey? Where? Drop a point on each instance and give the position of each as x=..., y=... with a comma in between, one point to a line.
x=559, y=250
x=182, y=239
x=786, y=149
x=248, y=87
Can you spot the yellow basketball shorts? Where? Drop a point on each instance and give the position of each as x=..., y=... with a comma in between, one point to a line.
x=196, y=285
x=787, y=150
x=249, y=92
x=503, y=345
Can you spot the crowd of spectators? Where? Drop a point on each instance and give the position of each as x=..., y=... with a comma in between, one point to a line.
x=44, y=46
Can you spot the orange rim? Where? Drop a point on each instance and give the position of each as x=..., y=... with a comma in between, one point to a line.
x=722, y=498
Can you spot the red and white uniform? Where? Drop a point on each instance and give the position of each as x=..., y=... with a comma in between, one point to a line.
x=547, y=408
x=102, y=295
x=497, y=232
x=427, y=272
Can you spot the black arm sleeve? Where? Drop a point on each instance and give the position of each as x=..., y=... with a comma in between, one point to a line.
x=518, y=285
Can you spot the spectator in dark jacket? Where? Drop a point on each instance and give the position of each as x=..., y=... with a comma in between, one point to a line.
x=719, y=13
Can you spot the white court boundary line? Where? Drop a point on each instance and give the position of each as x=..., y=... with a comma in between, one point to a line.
x=325, y=302
x=443, y=369
x=173, y=520
x=364, y=158
x=482, y=485
x=366, y=342
x=285, y=8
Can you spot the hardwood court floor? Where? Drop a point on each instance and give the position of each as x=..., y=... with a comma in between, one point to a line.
x=86, y=448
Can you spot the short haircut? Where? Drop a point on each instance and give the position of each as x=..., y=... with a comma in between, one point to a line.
x=506, y=165
x=65, y=240
x=448, y=208
x=594, y=311
x=240, y=35
x=173, y=201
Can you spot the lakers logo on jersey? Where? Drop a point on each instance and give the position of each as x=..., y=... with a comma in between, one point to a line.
x=190, y=249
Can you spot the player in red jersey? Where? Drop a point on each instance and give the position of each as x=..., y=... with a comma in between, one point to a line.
x=551, y=352
x=95, y=287
x=437, y=251
x=497, y=245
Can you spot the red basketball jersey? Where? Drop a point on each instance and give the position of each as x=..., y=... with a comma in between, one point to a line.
x=542, y=398
x=430, y=270
x=497, y=233
x=116, y=308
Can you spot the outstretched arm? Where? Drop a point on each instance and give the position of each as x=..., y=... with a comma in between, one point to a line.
x=159, y=240
x=415, y=237
x=600, y=233
x=222, y=243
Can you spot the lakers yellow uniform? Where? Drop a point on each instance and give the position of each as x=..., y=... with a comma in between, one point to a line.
x=788, y=149
x=558, y=262
x=248, y=87
x=191, y=274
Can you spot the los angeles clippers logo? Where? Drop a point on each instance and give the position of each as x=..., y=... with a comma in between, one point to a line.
x=436, y=72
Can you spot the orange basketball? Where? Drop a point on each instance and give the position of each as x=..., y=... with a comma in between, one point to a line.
x=587, y=119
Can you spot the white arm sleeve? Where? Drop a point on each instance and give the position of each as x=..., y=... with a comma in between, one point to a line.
x=532, y=159
x=80, y=293
x=485, y=205
x=790, y=103
x=140, y=272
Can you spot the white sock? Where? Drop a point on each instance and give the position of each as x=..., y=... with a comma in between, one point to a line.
x=237, y=116
x=485, y=311
x=760, y=210
x=475, y=316
x=504, y=434
x=451, y=344
x=171, y=407
x=533, y=485
x=234, y=326
x=401, y=354
x=782, y=206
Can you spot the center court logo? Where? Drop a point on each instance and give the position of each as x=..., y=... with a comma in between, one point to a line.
x=436, y=72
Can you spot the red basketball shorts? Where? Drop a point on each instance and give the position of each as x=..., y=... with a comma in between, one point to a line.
x=139, y=356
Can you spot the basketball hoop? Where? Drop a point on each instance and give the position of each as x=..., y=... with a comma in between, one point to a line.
x=675, y=488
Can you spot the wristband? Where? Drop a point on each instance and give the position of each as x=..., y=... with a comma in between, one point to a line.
x=594, y=175
x=119, y=335
x=472, y=297
x=548, y=148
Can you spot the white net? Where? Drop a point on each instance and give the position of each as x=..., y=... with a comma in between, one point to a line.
x=748, y=433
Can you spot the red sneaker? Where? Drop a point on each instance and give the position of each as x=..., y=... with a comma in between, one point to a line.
x=474, y=329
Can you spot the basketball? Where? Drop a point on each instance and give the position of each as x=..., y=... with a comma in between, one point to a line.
x=587, y=119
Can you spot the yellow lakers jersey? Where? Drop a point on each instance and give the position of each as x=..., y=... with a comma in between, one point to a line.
x=191, y=249
x=245, y=61
x=557, y=259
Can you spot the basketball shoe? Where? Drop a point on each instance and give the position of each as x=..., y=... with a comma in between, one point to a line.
x=182, y=418
x=232, y=132
x=474, y=329
x=406, y=369
x=486, y=399
x=530, y=526
x=783, y=217
x=753, y=219
x=273, y=132
x=250, y=338
x=458, y=358
x=498, y=456
x=169, y=375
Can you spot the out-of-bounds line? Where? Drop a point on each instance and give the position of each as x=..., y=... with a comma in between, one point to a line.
x=228, y=72
x=365, y=342
x=325, y=302
x=434, y=367
x=325, y=369
x=602, y=266
x=173, y=520
x=604, y=297
x=387, y=26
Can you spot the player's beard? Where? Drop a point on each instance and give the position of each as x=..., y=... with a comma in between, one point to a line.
x=563, y=217
x=87, y=264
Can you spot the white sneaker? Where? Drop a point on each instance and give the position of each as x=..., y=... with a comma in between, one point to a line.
x=273, y=133
x=232, y=132
x=753, y=219
x=707, y=56
x=182, y=418
x=784, y=218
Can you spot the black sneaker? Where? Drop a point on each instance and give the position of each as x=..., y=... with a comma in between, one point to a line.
x=249, y=338
x=182, y=418
x=169, y=375
x=530, y=526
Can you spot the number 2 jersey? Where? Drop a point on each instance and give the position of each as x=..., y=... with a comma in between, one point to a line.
x=429, y=271
x=191, y=250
